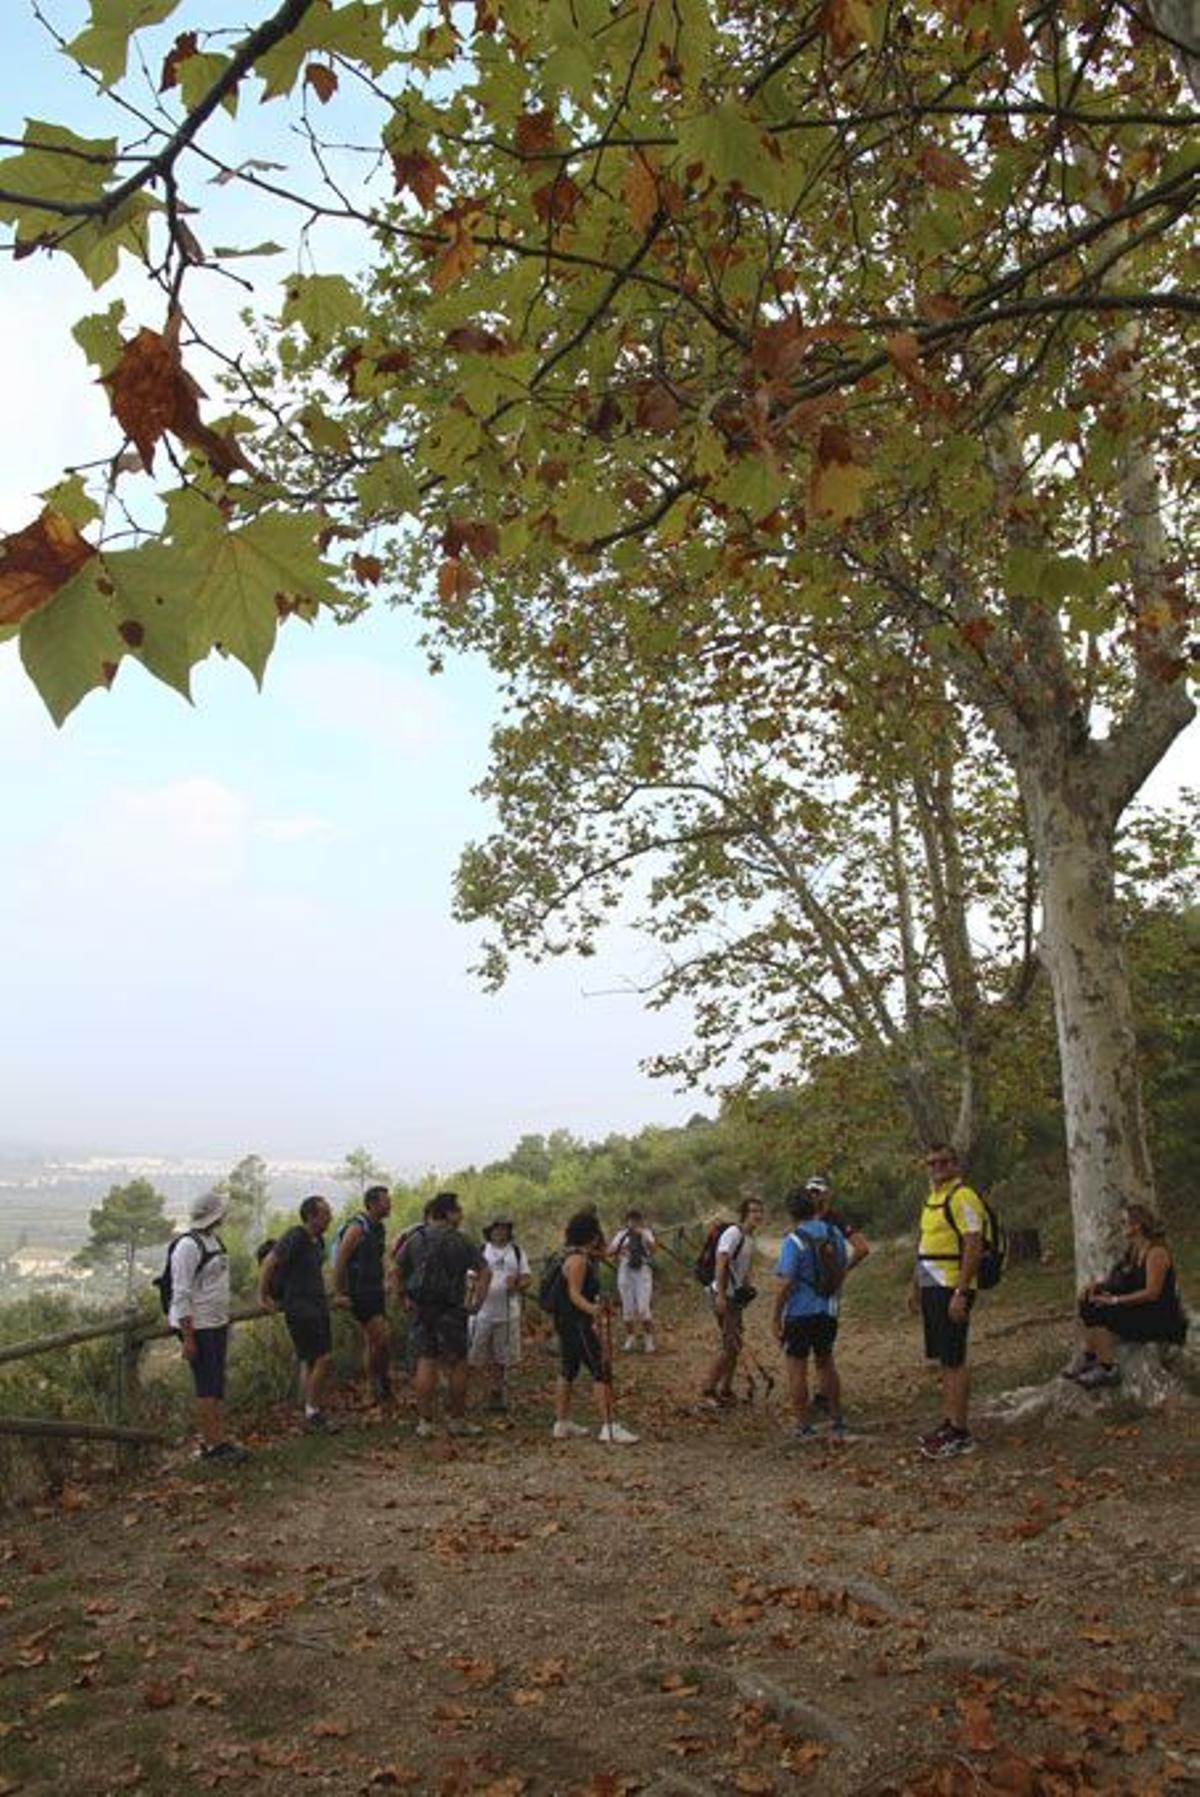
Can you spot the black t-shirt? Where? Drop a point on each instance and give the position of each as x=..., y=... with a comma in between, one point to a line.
x=300, y=1260
x=589, y=1289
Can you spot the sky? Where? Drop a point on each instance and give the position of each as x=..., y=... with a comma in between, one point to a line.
x=226, y=927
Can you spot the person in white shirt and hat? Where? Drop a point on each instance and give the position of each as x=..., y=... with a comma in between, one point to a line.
x=200, y=1314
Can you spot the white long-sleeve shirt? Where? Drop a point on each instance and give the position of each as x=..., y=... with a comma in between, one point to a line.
x=200, y=1293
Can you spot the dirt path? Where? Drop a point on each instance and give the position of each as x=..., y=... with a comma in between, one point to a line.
x=714, y=1610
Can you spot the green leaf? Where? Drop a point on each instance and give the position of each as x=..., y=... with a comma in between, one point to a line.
x=55, y=164
x=753, y=483
x=389, y=486
x=200, y=72
x=71, y=646
x=240, y=581
x=99, y=336
x=325, y=306
x=72, y=499
x=588, y=512
x=730, y=146
x=354, y=31
x=104, y=44
x=154, y=611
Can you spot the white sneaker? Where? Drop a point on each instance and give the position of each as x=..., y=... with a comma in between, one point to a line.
x=461, y=1425
x=648, y=1344
x=569, y=1431
x=617, y=1433
x=425, y=1429
x=629, y=1344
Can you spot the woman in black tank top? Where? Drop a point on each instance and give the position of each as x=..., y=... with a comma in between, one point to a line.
x=1138, y=1302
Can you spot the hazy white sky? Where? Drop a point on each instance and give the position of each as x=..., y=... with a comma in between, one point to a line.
x=226, y=927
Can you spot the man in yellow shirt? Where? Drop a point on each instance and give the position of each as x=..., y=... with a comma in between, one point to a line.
x=943, y=1288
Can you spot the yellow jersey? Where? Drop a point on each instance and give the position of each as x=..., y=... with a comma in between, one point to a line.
x=939, y=1251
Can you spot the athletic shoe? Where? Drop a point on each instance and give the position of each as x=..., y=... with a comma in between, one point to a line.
x=804, y=1433
x=425, y=1430
x=648, y=1344
x=838, y=1431
x=568, y=1431
x=618, y=1434
x=226, y=1453
x=629, y=1344
x=931, y=1437
x=1099, y=1376
x=317, y=1423
x=953, y=1443
x=1078, y=1363
x=461, y=1425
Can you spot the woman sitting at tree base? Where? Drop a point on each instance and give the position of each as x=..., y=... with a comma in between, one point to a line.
x=1138, y=1302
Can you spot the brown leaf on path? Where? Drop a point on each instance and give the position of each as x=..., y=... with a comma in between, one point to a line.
x=755, y=1784
x=802, y=1756
x=331, y=1730
x=976, y=1731
x=475, y=1672
x=159, y=1695
x=529, y=1699
x=395, y=1778
x=36, y=562
x=607, y=1784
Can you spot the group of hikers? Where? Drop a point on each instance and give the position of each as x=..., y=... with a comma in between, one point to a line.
x=464, y=1304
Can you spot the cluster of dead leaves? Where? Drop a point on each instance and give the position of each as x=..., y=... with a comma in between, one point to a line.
x=755, y=1598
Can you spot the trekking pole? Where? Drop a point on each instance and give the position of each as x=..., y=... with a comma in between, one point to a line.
x=604, y=1331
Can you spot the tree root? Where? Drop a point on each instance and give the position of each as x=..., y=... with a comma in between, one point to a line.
x=1150, y=1377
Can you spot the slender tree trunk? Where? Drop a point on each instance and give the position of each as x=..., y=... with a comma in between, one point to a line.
x=1082, y=951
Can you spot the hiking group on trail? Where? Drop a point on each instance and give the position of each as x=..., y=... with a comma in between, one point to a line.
x=464, y=1305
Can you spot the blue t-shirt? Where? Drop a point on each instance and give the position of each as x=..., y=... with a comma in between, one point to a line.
x=798, y=1262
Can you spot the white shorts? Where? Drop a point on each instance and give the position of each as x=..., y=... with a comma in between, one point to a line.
x=494, y=1342
x=635, y=1286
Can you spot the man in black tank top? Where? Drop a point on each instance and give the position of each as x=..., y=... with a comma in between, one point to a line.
x=359, y=1284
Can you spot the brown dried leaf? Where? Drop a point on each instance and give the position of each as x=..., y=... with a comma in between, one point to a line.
x=159, y=1695
x=323, y=81
x=421, y=174
x=36, y=562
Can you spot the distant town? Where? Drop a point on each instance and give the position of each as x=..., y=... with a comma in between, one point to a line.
x=45, y=1201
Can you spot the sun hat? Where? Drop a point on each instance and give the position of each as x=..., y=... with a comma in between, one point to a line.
x=818, y=1183
x=207, y=1209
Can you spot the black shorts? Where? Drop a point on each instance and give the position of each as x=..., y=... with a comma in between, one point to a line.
x=945, y=1341
x=579, y=1346
x=366, y=1305
x=438, y=1332
x=208, y=1362
x=803, y=1336
x=311, y=1335
x=732, y=1326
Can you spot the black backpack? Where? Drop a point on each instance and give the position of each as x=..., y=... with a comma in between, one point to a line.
x=634, y=1244
x=434, y=1279
x=164, y=1284
x=994, y=1258
x=552, y=1286
x=706, y=1261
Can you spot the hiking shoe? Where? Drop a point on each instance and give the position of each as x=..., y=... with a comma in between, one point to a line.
x=629, y=1344
x=648, y=1344
x=425, y=1430
x=226, y=1453
x=950, y=1445
x=1078, y=1363
x=461, y=1425
x=1094, y=1378
x=804, y=1433
x=931, y=1437
x=318, y=1423
x=838, y=1431
x=568, y=1431
x=617, y=1433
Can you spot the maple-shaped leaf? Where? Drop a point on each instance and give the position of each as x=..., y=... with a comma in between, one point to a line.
x=455, y=581
x=943, y=168
x=152, y=393
x=420, y=173
x=37, y=561
x=557, y=201
x=104, y=44
x=457, y=259
x=838, y=482
x=978, y=1734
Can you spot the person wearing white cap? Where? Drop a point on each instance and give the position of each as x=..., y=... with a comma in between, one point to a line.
x=199, y=1270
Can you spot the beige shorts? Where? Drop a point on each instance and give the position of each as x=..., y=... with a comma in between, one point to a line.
x=494, y=1342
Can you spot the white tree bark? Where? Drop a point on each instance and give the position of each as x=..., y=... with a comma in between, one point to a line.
x=1081, y=948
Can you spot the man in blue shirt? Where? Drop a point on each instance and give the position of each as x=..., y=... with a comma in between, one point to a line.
x=812, y=1264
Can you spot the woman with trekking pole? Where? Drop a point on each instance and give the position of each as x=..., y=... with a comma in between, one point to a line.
x=584, y=1323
